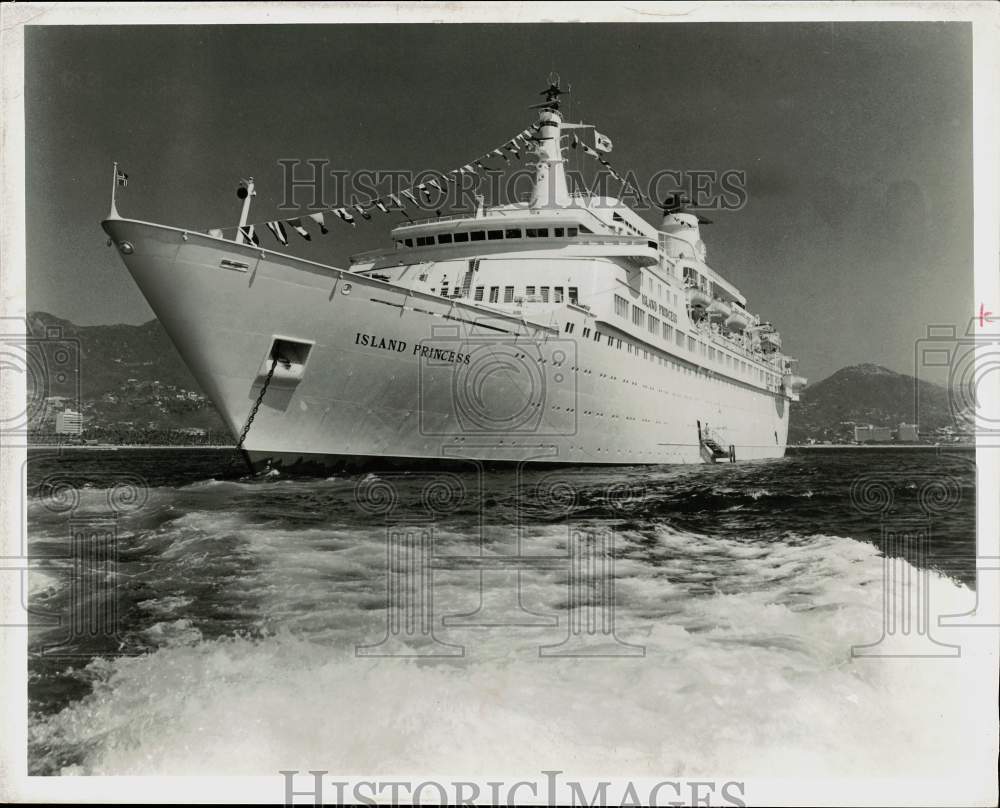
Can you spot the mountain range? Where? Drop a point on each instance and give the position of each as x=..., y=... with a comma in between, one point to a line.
x=132, y=379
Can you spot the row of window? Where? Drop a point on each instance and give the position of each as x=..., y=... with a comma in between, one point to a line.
x=682, y=340
x=723, y=358
x=533, y=294
x=617, y=217
x=494, y=235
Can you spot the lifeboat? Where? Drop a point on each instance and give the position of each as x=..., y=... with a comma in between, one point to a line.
x=770, y=340
x=738, y=319
x=719, y=310
x=698, y=298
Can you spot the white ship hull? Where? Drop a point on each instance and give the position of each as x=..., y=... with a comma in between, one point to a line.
x=394, y=376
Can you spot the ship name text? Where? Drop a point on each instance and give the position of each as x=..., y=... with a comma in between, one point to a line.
x=400, y=346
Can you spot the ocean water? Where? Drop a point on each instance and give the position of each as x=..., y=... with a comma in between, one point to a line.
x=683, y=621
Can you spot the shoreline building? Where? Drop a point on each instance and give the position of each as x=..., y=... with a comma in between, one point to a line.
x=69, y=422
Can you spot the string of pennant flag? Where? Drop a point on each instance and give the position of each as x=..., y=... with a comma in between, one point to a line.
x=604, y=145
x=522, y=141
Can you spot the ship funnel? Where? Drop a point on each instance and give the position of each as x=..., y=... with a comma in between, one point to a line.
x=684, y=226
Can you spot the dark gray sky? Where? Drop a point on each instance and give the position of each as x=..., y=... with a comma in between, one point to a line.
x=856, y=139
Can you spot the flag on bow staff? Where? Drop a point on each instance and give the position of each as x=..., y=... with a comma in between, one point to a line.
x=120, y=177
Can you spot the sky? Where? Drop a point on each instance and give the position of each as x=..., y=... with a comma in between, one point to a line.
x=855, y=140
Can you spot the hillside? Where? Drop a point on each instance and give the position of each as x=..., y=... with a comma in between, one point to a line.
x=867, y=394
x=132, y=382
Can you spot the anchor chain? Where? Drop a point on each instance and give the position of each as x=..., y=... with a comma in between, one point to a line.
x=253, y=414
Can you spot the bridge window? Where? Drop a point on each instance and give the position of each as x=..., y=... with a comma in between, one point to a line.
x=512, y=233
x=586, y=333
x=408, y=242
x=536, y=232
x=574, y=296
x=423, y=241
x=558, y=232
x=571, y=232
x=493, y=235
x=508, y=294
x=479, y=293
x=597, y=336
x=460, y=237
x=557, y=294
x=529, y=291
x=637, y=315
x=494, y=294
x=478, y=235
x=668, y=331
x=621, y=306
x=444, y=238
x=545, y=294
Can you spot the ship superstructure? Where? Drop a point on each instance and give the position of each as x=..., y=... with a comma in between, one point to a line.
x=565, y=329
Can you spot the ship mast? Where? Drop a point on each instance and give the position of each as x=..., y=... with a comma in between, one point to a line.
x=550, y=189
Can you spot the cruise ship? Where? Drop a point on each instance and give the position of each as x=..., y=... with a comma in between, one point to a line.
x=562, y=329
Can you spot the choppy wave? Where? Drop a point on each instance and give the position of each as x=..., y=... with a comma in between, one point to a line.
x=746, y=670
x=243, y=605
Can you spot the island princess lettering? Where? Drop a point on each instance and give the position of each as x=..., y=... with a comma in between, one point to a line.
x=562, y=329
x=399, y=346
